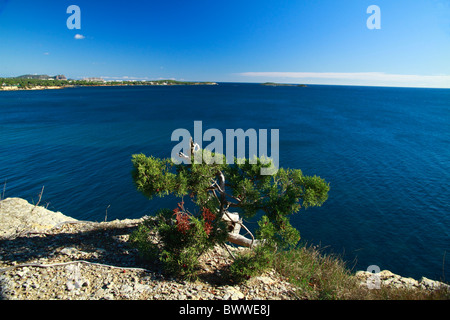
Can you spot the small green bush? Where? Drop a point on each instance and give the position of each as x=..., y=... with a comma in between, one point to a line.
x=251, y=263
x=141, y=240
x=182, y=239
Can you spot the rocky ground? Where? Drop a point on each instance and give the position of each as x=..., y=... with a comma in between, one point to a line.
x=46, y=255
x=388, y=279
x=43, y=257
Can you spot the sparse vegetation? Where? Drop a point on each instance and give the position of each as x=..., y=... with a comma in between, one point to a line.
x=321, y=276
x=183, y=237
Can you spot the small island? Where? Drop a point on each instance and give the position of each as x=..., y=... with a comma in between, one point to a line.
x=40, y=82
x=273, y=84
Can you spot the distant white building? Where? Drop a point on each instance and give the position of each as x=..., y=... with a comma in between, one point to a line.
x=94, y=79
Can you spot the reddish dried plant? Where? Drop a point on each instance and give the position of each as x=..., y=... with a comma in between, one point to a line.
x=183, y=218
x=209, y=218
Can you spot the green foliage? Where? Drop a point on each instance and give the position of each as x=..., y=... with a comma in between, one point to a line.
x=279, y=196
x=251, y=263
x=278, y=234
x=276, y=196
x=30, y=81
x=141, y=240
x=183, y=238
x=152, y=176
x=160, y=177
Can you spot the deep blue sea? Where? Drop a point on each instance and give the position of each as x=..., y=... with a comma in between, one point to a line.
x=384, y=151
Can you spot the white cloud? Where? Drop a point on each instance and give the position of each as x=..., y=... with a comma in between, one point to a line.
x=79, y=37
x=357, y=78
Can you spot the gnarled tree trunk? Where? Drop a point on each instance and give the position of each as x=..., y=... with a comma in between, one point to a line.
x=234, y=228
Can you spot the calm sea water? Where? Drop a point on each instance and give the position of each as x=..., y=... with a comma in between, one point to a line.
x=384, y=151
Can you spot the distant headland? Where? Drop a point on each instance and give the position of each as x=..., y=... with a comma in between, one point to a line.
x=273, y=84
x=40, y=82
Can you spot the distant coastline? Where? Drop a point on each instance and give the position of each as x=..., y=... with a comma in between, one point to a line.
x=44, y=82
x=274, y=84
x=15, y=88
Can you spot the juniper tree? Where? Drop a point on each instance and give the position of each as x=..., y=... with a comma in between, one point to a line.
x=229, y=193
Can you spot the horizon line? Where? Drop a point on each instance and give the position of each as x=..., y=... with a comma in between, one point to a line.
x=308, y=76
x=381, y=79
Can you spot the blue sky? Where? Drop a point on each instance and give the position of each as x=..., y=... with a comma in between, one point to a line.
x=293, y=41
